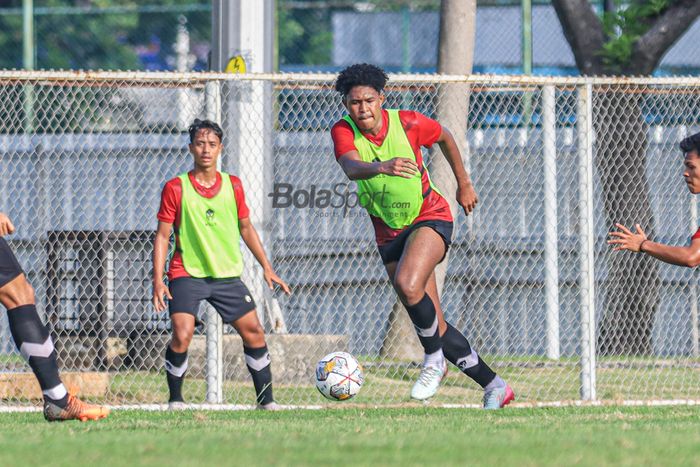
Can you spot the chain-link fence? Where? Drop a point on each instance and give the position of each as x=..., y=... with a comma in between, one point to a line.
x=530, y=280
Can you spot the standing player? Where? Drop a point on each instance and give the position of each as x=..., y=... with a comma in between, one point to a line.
x=381, y=150
x=207, y=209
x=689, y=256
x=33, y=340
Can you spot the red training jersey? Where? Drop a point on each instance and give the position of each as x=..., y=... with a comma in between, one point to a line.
x=695, y=235
x=170, y=211
x=421, y=131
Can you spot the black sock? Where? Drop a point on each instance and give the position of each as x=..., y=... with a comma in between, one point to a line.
x=458, y=351
x=35, y=344
x=175, y=368
x=258, y=363
x=426, y=323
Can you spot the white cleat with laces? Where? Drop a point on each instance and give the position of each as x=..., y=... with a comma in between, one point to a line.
x=428, y=381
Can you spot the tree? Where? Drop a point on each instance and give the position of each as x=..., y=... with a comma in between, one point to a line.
x=629, y=40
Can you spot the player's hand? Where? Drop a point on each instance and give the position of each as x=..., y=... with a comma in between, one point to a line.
x=271, y=276
x=160, y=290
x=6, y=226
x=399, y=167
x=466, y=197
x=625, y=239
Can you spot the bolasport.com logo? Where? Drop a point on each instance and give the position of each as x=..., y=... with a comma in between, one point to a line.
x=339, y=200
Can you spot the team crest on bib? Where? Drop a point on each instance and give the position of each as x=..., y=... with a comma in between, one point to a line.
x=248, y=298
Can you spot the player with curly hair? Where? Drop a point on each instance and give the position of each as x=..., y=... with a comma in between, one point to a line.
x=381, y=151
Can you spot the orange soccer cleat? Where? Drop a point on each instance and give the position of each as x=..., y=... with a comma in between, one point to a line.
x=74, y=410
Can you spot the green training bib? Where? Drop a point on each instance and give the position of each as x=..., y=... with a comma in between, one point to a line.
x=208, y=233
x=395, y=200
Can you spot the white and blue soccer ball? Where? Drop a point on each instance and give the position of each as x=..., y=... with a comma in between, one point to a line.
x=339, y=376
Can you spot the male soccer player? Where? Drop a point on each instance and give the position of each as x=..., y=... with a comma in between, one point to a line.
x=625, y=239
x=207, y=209
x=33, y=340
x=381, y=150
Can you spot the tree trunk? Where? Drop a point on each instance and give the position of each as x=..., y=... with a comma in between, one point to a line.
x=631, y=285
x=456, y=52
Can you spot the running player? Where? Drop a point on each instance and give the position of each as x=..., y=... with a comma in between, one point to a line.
x=208, y=212
x=625, y=239
x=381, y=150
x=33, y=340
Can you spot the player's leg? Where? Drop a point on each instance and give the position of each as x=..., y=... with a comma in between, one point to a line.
x=423, y=250
x=187, y=294
x=459, y=352
x=257, y=358
x=34, y=343
x=233, y=301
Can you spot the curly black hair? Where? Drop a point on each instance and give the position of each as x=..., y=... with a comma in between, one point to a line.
x=360, y=74
x=198, y=125
x=691, y=143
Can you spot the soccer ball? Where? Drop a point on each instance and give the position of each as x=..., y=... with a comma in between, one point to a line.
x=339, y=376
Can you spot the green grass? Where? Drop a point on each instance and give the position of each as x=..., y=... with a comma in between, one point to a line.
x=411, y=436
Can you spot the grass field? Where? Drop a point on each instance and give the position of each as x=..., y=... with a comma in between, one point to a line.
x=414, y=436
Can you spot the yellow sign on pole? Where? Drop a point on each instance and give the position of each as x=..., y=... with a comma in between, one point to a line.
x=236, y=65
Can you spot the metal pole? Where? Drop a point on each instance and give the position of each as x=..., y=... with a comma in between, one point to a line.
x=28, y=62
x=406, y=39
x=215, y=326
x=526, y=38
x=694, y=330
x=551, y=252
x=586, y=248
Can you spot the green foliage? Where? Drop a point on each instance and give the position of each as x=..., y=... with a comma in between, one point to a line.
x=624, y=26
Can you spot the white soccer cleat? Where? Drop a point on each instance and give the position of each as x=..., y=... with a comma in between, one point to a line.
x=177, y=405
x=428, y=381
x=269, y=406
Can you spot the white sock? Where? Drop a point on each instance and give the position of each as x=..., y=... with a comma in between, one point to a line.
x=495, y=384
x=434, y=359
x=57, y=393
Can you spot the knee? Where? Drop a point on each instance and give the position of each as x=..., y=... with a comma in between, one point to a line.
x=408, y=289
x=18, y=293
x=181, y=340
x=253, y=336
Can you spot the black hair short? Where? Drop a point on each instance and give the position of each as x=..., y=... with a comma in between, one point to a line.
x=691, y=143
x=360, y=74
x=198, y=125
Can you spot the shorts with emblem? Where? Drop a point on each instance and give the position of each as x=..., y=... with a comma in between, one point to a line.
x=392, y=251
x=9, y=266
x=229, y=297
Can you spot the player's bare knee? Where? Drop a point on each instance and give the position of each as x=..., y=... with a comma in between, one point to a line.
x=181, y=339
x=253, y=336
x=17, y=293
x=408, y=290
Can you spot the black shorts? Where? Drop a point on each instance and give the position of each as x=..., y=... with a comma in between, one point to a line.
x=391, y=252
x=229, y=297
x=9, y=266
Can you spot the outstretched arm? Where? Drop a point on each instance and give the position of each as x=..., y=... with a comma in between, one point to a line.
x=625, y=239
x=466, y=195
x=252, y=240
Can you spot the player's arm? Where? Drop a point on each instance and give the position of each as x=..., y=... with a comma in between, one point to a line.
x=6, y=226
x=356, y=169
x=252, y=240
x=466, y=195
x=625, y=239
x=160, y=252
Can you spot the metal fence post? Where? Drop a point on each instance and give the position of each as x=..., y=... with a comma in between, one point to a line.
x=586, y=249
x=215, y=327
x=551, y=253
